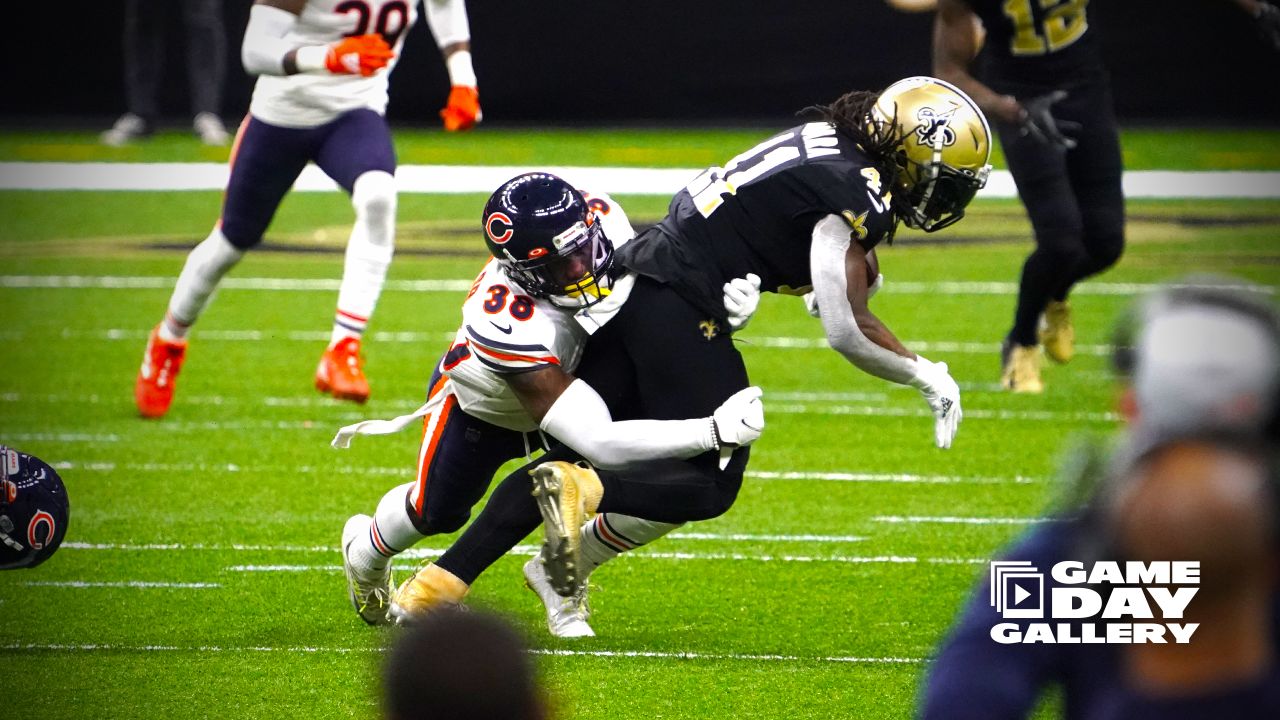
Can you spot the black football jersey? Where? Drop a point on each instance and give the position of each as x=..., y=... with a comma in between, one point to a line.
x=1037, y=41
x=756, y=215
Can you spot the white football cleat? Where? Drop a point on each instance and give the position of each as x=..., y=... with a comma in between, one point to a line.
x=369, y=590
x=566, y=616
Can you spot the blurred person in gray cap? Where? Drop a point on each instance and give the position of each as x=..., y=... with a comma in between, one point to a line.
x=1200, y=357
x=1202, y=353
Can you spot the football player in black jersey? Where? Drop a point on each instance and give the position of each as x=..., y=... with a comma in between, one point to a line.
x=1048, y=93
x=803, y=210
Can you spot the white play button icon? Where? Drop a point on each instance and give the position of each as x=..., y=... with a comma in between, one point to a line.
x=1019, y=594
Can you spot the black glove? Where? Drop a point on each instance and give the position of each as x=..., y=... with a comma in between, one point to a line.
x=1268, y=20
x=1039, y=123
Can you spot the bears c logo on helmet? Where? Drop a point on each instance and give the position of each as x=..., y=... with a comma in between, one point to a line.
x=499, y=227
x=33, y=527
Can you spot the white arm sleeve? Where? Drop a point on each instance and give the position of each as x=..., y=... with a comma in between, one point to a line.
x=580, y=419
x=830, y=287
x=448, y=21
x=264, y=46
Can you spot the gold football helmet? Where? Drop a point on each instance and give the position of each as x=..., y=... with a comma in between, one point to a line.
x=944, y=145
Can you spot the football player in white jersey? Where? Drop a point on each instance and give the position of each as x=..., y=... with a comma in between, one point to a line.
x=508, y=377
x=323, y=68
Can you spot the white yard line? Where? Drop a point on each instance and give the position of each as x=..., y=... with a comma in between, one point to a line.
x=953, y=520
x=123, y=584
x=454, y=179
x=62, y=437
x=415, y=338
x=458, y=285
x=892, y=478
x=819, y=476
x=748, y=537
x=969, y=413
x=308, y=649
x=233, y=547
x=532, y=550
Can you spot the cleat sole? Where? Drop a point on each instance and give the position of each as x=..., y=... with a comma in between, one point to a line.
x=560, y=547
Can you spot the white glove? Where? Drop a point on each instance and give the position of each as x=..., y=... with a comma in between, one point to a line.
x=741, y=298
x=739, y=421
x=943, y=395
x=811, y=298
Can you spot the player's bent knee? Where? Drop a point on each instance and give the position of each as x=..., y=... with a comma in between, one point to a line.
x=242, y=238
x=374, y=196
x=433, y=524
x=1109, y=252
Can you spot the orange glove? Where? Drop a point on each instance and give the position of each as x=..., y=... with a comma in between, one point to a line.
x=462, y=112
x=358, y=55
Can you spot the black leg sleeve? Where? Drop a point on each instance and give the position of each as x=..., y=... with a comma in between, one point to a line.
x=507, y=518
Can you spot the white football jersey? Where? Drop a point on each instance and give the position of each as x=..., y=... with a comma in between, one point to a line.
x=312, y=99
x=505, y=330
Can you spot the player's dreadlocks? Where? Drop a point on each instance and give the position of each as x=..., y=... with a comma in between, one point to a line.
x=879, y=140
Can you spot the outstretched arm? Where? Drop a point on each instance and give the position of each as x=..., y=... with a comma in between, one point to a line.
x=954, y=47
x=575, y=414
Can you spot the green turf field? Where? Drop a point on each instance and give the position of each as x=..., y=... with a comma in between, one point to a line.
x=201, y=576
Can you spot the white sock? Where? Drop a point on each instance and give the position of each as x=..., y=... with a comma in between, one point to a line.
x=448, y=22
x=460, y=70
x=206, y=265
x=368, y=255
x=607, y=535
x=391, y=532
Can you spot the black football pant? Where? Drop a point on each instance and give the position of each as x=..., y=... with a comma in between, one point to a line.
x=1073, y=197
x=145, y=37
x=653, y=360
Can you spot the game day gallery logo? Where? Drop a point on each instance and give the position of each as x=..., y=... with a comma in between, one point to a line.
x=1103, y=602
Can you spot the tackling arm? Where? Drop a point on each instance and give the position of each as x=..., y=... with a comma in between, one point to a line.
x=265, y=51
x=574, y=413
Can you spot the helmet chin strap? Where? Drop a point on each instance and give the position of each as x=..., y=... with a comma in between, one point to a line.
x=934, y=164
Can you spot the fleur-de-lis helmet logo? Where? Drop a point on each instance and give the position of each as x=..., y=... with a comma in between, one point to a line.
x=934, y=129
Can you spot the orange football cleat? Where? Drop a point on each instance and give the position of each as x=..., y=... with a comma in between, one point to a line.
x=161, y=363
x=341, y=372
x=462, y=112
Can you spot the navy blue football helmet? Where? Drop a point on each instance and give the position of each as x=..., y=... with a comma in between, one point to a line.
x=33, y=510
x=549, y=240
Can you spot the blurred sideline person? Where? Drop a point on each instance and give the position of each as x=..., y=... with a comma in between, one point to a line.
x=145, y=34
x=321, y=94
x=1194, y=359
x=34, y=510
x=803, y=210
x=459, y=665
x=506, y=387
x=1049, y=97
x=1211, y=499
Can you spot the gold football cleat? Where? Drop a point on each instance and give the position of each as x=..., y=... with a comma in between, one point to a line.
x=1057, y=335
x=566, y=494
x=430, y=588
x=1022, y=369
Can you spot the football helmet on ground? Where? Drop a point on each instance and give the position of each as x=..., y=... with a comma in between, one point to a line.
x=549, y=240
x=33, y=510
x=944, y=145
